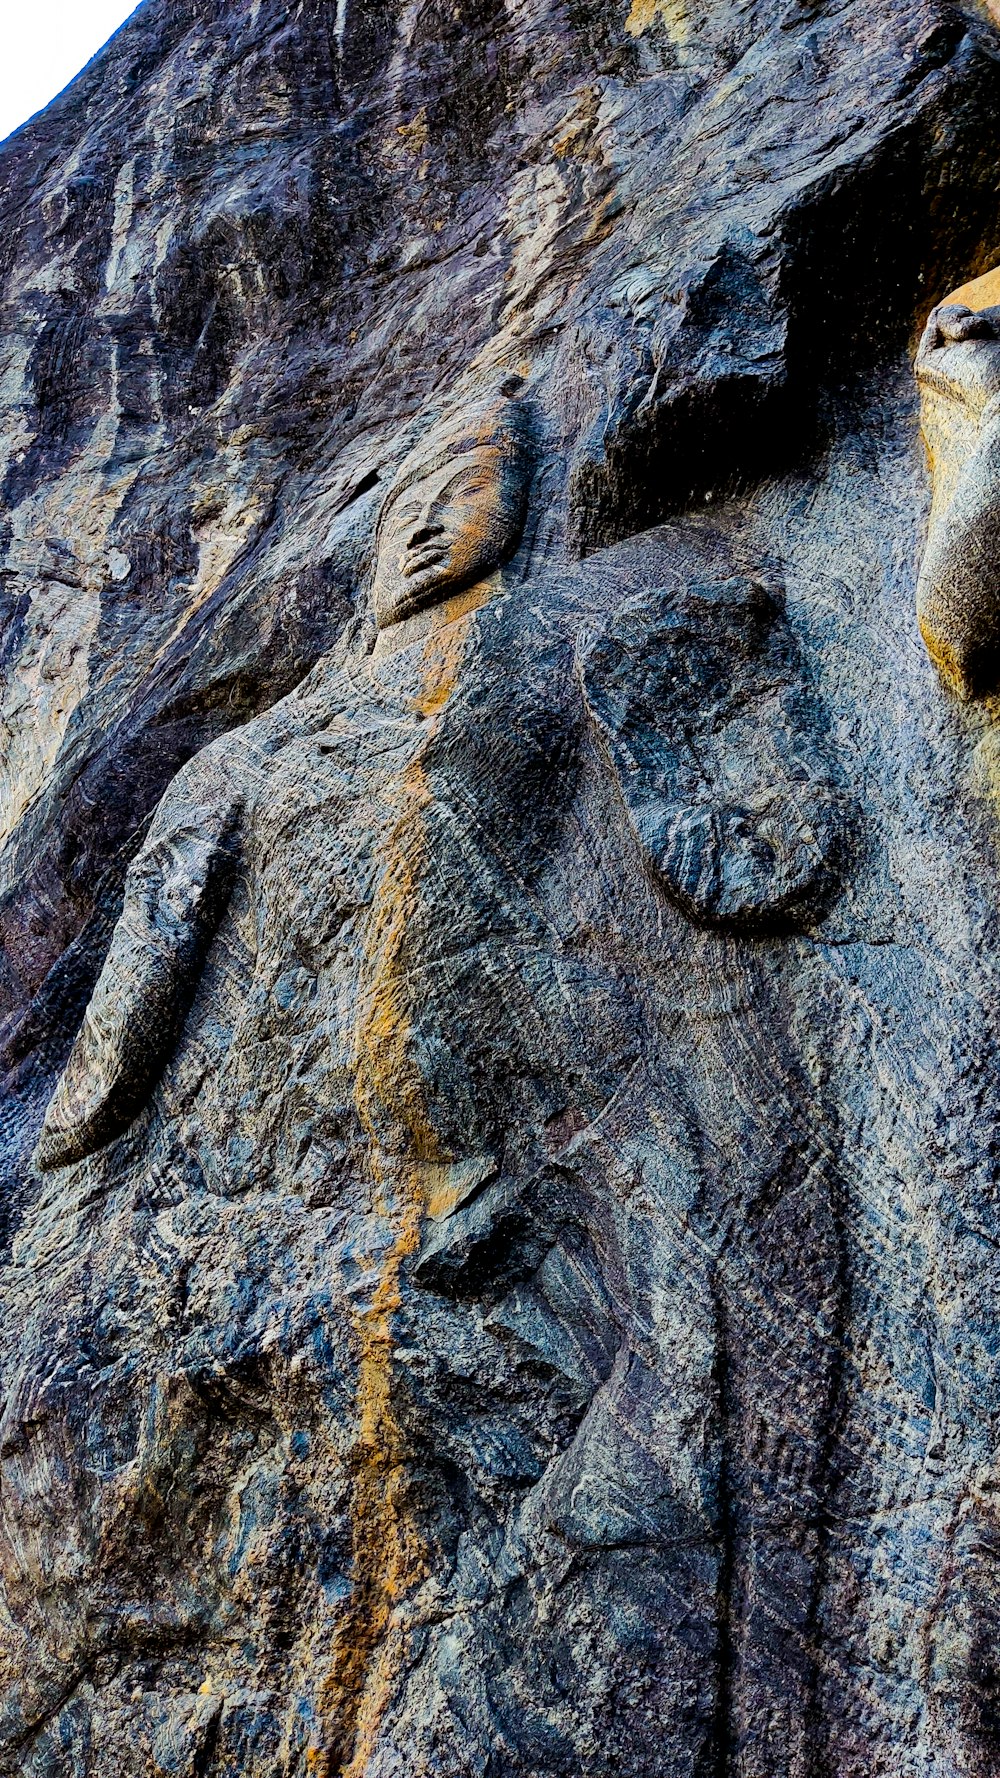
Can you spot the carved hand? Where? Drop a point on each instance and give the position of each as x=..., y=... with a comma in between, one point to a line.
x=712, y=739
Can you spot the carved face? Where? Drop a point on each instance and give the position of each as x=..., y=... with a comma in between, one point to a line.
x=958, y=590
x=448, y=529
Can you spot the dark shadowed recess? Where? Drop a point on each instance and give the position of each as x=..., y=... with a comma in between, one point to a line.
x=835, y=283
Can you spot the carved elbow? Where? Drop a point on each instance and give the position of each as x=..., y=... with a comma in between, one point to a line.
x=766, y=865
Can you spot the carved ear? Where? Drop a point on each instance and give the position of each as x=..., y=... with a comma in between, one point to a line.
x=694, y=698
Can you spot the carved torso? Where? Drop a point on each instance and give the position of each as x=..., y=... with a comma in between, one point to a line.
x=400, y=849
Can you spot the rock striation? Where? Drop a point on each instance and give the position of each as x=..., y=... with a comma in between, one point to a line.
x=498, y=895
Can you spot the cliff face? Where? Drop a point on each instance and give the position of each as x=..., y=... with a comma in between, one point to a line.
x=506, y=1282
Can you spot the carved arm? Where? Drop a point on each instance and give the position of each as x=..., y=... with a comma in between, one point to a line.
x=175, y=893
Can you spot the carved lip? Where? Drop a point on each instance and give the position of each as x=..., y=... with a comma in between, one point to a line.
x=427, y=555
x=972, y=400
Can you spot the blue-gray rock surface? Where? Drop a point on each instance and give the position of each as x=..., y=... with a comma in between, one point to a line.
x=498, y=992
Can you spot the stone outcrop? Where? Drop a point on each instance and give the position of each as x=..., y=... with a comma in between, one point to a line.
x=498, y=904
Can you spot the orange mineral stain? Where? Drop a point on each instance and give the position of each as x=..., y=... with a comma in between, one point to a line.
x=388, y=1556
x=979, y=293
x=670, y=15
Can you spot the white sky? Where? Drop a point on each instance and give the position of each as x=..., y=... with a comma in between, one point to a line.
x=43, y=44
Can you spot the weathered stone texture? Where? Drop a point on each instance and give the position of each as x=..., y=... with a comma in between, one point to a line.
x=498, y=908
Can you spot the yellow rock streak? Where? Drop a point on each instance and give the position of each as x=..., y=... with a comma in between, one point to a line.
x=389, y=1559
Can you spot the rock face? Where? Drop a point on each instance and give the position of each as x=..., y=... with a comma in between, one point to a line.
x=500, y=1145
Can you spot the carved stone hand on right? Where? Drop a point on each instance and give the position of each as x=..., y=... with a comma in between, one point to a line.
x=742, y=865
x=698, y=698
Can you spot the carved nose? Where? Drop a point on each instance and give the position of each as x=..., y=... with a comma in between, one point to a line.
x=424, y=533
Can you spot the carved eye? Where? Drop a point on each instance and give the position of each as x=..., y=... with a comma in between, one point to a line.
x=470, y=485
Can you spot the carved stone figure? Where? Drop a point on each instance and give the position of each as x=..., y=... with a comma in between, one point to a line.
x=411, y=949
x=454, y=516
x=510, y=1286
x=958, y=595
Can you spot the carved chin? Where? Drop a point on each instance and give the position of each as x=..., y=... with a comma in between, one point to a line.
x=403, y=597
x=967, y=661
x=958, y=610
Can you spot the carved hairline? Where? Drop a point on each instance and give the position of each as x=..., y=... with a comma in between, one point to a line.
x=503, y=423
